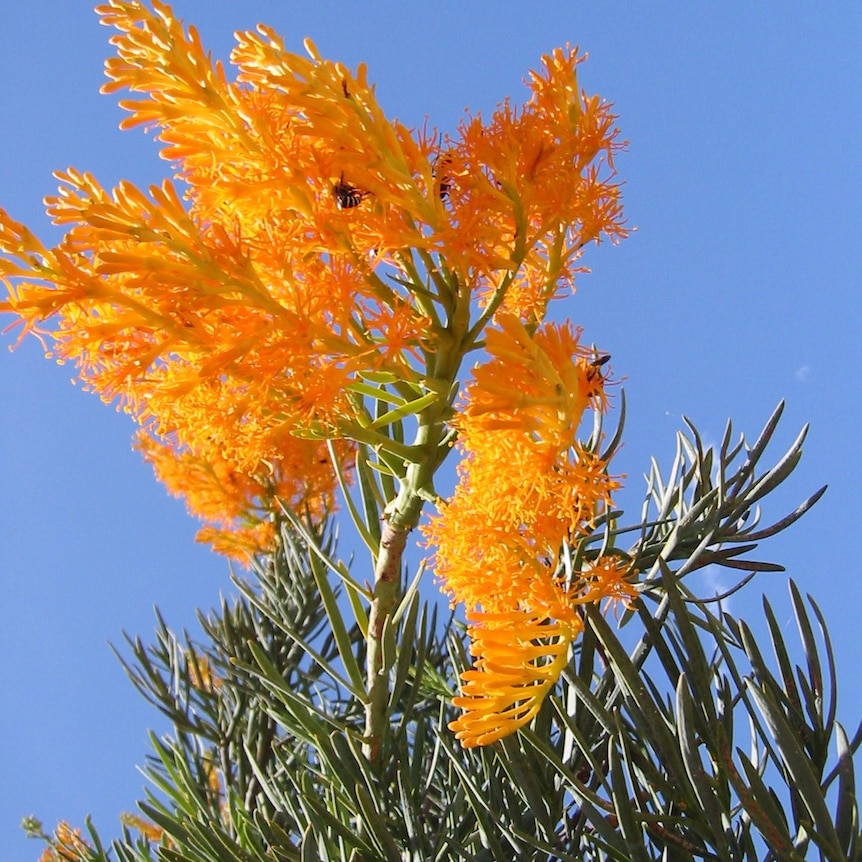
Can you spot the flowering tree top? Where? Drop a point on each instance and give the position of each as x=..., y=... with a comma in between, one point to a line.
x=315, y=275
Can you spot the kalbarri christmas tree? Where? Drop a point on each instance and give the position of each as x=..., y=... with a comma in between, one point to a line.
x=317, y=311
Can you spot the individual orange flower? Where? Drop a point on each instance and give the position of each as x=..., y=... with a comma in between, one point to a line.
x=148, y=829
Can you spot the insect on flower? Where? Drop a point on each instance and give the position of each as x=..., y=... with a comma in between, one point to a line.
x=442, y=177
x=347, y=196
x=599, y=361
x=594, y=371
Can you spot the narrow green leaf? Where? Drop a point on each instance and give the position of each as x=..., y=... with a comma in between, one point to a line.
x=380, y=377
x=594, y=707
x=339, y=632
x=355, y=515
x=169, y=854
x=763, y=675
x=370, y=495
x=410, y=408
x=586, y=670
x=809, y=645
x=846, y=806
x=376, y=826
x=693, y=661
x=359, y=610
x=832, y=708
x=406, y=662
x=786, y=521
x=702, y=783
x=783, y=658
x=169, y=821
x=796, y=764
x=775, y=476
x=614, y=443
x=336, y=823
x=755, y=452
x=309, y=846
x=406, y=795
x=632, y=830
x=375, y=393
x=272, y=792
x=761, y=807
x=578, y=788
x=529, y=839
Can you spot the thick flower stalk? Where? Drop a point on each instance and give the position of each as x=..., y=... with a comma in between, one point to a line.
x=312, y=279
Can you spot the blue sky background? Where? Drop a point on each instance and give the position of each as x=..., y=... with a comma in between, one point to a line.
x=739, y=288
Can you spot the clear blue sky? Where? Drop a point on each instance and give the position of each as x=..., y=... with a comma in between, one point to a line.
x=740, y=287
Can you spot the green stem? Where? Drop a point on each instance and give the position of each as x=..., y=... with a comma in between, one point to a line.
x=387, y=585
x=402, y=515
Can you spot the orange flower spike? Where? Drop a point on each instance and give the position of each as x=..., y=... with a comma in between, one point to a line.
x=541, y=384
x=519, y=658
x=533, y=181
x=228, y=142
x=506, y=514
x=249, y=412
x=525, y=487
x=158, y=58
x=522, y=490
x=235, y=505
x=339, y=113
x=555, y=135
x=144, y=255
x=482, y=564
x=579, y=128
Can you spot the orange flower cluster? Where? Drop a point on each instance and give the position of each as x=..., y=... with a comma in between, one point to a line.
x=66, y=845
x=316, y=273
x=525, y=487
x=307, y=245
